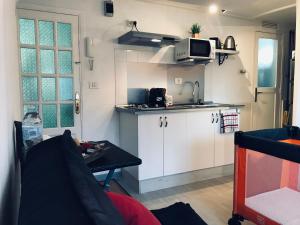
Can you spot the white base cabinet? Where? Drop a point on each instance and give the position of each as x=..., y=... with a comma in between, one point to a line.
x=150, y=146
x=200, y=139
x=175, y=143
x=176, y=155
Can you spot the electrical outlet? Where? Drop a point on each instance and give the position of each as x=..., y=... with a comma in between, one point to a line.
x=93, y=85
x=178, y=80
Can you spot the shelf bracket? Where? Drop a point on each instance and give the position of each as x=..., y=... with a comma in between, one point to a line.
x=222, y=58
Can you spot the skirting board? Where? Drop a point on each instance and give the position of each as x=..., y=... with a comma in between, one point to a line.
x=144, y=186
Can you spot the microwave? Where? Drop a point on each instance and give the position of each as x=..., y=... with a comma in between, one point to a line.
x=192, y=48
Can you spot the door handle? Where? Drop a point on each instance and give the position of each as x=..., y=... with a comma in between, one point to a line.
x=166, y=121
x=256, y=94
x=161, y=121
x=213, y=118
x=77, y=103
x=217, y=118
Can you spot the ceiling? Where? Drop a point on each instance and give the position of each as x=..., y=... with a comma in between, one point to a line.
x=277, y=11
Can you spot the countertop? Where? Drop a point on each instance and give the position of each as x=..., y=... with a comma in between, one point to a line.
x=176, y=108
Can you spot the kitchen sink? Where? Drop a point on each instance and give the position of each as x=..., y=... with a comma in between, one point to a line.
x=192, y=106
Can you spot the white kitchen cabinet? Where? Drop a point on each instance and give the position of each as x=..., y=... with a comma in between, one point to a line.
x=200, y=139
x=176, y=153
x=224, y=145
x=150, y=146
x=174, y=143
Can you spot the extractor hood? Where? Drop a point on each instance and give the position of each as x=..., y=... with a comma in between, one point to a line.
x=147, y=39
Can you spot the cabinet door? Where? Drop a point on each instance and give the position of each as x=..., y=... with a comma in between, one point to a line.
x=176, y=157
x=200, y=139
x=150, y=145
x=224, y=145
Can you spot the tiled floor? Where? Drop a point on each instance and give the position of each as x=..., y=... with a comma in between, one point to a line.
x=212, y=199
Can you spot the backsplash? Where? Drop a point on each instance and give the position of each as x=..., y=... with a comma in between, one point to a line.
x=141, y=76
x=183, y=93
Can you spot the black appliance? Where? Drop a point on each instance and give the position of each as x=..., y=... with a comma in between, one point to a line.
x=157, y=97
x=218, y=42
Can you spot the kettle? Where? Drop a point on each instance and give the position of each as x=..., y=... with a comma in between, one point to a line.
x=230, y=44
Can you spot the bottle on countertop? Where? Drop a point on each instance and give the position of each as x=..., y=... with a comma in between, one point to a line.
x=32, y=128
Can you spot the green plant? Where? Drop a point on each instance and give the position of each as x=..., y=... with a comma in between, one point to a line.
x=196, y=28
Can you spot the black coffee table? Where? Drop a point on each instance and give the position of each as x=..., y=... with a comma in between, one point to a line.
x=113, y=158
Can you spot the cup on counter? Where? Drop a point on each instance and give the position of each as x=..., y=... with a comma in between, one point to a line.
x=169, y=100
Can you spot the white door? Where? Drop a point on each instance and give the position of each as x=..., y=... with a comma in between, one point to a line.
x=224, y=144
x=264, y=108
x=50, y=77
x=200, y=139
x=176, y=156
x=151, y=146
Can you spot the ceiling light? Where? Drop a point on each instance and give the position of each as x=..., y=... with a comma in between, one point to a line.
x=213, y=8
x=156, y=40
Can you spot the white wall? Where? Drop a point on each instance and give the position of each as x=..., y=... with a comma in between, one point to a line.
x=9, y=100
x=183, y=93
x=99, y=119
x=146, y=75
x=296, y=103
x=151, y=75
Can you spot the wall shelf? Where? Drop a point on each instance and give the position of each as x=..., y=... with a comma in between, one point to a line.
x=223, y=54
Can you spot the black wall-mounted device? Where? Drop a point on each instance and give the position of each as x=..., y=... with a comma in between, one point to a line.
x=109, y=8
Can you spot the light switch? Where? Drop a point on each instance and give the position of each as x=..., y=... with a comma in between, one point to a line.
x=178, y=80
x=93, y=85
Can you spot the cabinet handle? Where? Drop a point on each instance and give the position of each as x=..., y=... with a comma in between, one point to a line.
x=213, y=118
x=217, y=115
x=161, y=121
x=166, y=121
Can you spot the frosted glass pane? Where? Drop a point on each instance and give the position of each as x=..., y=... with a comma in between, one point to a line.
x=267, y=62
x=30, y=89
x=31, y=108
x=65, y=62
x=28, y=60
x=49, y=116
x=66, y=89
x=48, y=89
x=46, y=31
x=67, y=115
x=47, y=62
x=27, y=31
x=64, y=35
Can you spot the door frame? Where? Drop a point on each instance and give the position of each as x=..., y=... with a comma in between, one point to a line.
x=78, y=58
x=270, y=35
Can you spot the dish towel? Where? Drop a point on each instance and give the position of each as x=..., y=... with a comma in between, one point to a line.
x=230, y=121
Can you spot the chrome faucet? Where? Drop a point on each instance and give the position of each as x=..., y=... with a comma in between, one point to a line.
x=194, y=89
x=197, y=100
x=185, y=83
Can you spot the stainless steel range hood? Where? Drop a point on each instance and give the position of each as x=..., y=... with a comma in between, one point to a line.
x=147, y=39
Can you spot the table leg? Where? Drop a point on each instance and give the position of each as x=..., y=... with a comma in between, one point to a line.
x=108, y=179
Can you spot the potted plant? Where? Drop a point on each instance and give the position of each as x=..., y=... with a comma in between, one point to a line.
x=195, y=30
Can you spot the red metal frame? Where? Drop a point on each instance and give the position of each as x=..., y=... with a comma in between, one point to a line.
x=239, y=207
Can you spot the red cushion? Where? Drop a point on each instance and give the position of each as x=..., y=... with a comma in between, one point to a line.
x=133, y=212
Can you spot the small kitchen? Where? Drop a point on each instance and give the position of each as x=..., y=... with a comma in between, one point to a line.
x=137, y=107
x=166, y=118
x=118, y=71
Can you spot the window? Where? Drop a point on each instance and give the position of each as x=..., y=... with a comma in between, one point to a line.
x=46, y=70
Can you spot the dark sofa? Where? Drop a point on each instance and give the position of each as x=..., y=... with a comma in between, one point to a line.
x=59, y=189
